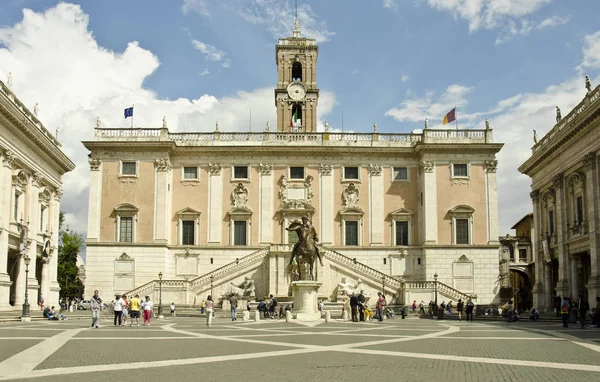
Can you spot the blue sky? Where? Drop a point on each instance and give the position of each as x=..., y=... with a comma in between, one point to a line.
x=390, y=61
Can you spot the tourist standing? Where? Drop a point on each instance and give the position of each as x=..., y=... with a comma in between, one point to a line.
x=147, y=306
x=96, y=307
x=234, y=303
x=422, y=307
x=42, y=301
x=470, y=307
x=582, y=308
x=354, y=307
x=172, y=309
x=459, y=309
x=414, y=307
x=118, y=304
x=564, y=312
x=380, y=303
x=209, y=310
x=134, y=309
x=125, y=309
x=597, y=313
x=361, y=305
x=509, y=311
x=202, y=307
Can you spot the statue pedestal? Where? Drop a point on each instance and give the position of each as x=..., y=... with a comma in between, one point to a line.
x=305, y=300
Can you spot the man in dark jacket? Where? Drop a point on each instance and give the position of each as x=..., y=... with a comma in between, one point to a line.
x=583, y=308
x=354, y=307
x=361, y=305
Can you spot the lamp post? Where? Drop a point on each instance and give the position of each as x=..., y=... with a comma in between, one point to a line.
x=160, y=275
x=435, y=277
x=383, y=284
x=211, y=284
x=25, y=315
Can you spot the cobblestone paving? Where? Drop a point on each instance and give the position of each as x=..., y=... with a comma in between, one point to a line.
x=186, y=350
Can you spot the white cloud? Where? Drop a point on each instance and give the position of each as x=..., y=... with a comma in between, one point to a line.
x=404, y=78
x=276, y=16
x=391, y=4
x=204, y=72
x=431, y=107
x=512, y=30
x=198, y=6
x=487, y=14
x=212, y=53
x=591, y=52
x=102, y=84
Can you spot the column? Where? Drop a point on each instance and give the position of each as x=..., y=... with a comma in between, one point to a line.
x=33, y=219
x=6, y=191
x=265, y=213
x=492, y=201
x=215, y=204
x=539, y=299
x=54, y=287
x=326, y=204
x=45, y=281
x=95, y=201
x=430, y=201
x=161, y=201
x=590, y=162
x=549, y=297
x=376, y=207
x=562, y=286
x=574, y=284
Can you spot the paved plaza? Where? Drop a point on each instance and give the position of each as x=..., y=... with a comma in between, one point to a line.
x=185, y=349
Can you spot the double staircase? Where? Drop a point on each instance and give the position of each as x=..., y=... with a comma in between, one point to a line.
x=442, y=289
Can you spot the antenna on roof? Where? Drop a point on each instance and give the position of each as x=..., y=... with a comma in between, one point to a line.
x=296, y=22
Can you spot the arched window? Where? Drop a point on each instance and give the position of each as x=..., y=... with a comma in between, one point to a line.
x=296, y=120
x=297, y=71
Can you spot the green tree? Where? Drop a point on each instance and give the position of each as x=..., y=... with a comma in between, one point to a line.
x=68, y=248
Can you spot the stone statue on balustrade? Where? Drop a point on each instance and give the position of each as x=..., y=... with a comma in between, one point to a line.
x=588, y=84
x=558, y=115
x=245, y=289
x=305, y=251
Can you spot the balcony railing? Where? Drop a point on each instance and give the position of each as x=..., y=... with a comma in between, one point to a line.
x=576, y=230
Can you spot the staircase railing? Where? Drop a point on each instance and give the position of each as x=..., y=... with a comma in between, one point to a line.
x=442, y=288
x=360, y=268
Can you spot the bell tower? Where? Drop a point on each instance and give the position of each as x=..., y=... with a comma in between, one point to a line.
x=296, y=95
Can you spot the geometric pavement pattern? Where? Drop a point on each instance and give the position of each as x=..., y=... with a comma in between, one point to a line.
x=186, y=349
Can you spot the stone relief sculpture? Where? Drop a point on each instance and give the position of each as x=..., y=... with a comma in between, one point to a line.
x=375, y=169
x=558, y=115
x=308, y=187
x=163, y=164
x=504, y=274
x=245, y=289
x=283, y=182
x=351, y=194
x=239, y=196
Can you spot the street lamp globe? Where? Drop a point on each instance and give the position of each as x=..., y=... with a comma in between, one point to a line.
x=435, y=276
x=160, y=275
x=27, y=260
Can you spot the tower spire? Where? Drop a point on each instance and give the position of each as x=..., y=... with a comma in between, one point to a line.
x=296, y=22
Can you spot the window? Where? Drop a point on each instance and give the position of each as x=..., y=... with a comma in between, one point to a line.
x=579, y=207
x=401, y=233
x=16, y=206
x=297, y=71
x=187, y=232
x=462, y=231
x=42, y=212
x=400, y=173
x=351, y=173
x=190, y=173
x=126, y=229
x=551, y=221
x=296, y=172
x=522, y=255
x=129, y=168
x=240, y=172
x=352, y=233
x=460, y=170
x=239, y=233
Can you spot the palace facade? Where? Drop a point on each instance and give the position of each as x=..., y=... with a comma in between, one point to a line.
x=30, y=191
x=206, y=210
x=565, y=192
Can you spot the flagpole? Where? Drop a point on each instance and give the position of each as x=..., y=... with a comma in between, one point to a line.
x=132, y=105
x=455, y=117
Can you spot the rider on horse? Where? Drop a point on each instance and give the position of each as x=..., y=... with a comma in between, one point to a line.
x=306, y=235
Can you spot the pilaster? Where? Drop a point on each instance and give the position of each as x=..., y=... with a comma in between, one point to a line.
x=5, y=194
x=539, y=298
x=215, y=204
x=161, y=200
x=95, y=199
x=492, y=200
x=562, y=286
x=430, y=201
x=267, y=194
x=326, y=203
x=33, y=219
x=592, y=184
x=376, y=207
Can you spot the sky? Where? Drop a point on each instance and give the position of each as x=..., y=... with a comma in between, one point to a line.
x=394, y=62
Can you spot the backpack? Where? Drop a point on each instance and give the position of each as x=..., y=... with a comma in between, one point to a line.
x=565, y=308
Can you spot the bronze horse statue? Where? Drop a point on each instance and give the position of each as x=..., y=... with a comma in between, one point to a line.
x=305, y=251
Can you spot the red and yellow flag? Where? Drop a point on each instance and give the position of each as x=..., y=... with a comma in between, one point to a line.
x=450, y=117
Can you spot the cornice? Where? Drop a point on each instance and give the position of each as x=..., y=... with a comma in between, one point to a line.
x=494, y=148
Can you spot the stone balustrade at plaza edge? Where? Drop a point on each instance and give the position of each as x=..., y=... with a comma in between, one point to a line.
x=217, y=138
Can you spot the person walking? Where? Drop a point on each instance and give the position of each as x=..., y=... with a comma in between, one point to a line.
x=459, y=308
x=209, y=310
x=582, y=309
x=118, y=304
x=234, y=304
x=134, y=310
x=470, y=308
x=597, y=313
x=172, y=309
x=361, y=305
x=509, y=311
x=380, y=304
x=422, y=307
x=414, y=307
x=148, y=307
x=42, y=302
x=96, y=307
x=564, y=312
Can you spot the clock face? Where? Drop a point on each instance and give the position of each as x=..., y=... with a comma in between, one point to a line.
x=296, y=91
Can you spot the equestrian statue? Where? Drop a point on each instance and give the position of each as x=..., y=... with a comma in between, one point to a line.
x=305, y=251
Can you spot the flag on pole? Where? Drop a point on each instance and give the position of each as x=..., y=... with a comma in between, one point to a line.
x=294, y=119
x=129, y=112
x=450, y=117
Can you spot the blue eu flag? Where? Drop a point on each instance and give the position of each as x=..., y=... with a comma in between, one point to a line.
x=129, y=112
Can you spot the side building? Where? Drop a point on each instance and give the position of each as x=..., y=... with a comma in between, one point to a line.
x=207, y=210
x=30, y=191
x=565, y=192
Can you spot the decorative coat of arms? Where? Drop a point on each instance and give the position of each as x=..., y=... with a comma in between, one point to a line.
x=239, y=196
x=351, y=194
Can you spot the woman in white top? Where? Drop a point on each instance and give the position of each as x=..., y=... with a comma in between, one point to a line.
x=209, y=310
x=118, y=309
x=147, y=306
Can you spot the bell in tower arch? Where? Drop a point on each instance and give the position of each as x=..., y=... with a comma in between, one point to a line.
x=297, y=71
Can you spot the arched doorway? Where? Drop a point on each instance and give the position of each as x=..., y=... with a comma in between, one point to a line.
x=521, y=284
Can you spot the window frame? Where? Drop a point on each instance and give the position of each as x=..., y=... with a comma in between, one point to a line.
x=393, y=174
x=401, y=215
x=296, y=179
x=352, y=214
x=137, y=168
x=233, y=175
x=237, y=215
x=184, y=179
x=453, y=172
x=189, y=224
x=456, y=230
x=346, y=226
x=237, y=223
x=120, y=229
x=353, y=180
x=188, y=214
x=126, y=210
x=462, y=212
